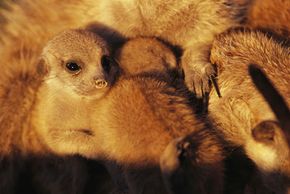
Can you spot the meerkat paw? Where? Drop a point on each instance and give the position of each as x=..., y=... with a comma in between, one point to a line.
x=170, y=164
x=188, y=166
x=197, y=78
x=169, y=160
x=176, y=167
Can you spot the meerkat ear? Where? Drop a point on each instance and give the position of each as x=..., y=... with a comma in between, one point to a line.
x=42, y=68
x=265, y=131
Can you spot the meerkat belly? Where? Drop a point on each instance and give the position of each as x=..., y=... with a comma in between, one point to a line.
x=63, y=123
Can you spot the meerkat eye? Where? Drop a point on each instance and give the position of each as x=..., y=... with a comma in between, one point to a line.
x=106, y=63
x=73, y=67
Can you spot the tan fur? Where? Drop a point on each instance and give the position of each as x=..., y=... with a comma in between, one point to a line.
x=66, y=100
x=190, y=24
x=242, y=107
x=131, y=126
x=27, y=165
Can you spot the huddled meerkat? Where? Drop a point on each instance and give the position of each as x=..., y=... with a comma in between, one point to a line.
x=80, y=72
x=147, y=55
x=274, y=135
x=131, y=125
x=245, y=113
x=26, y=164
x=189, y=24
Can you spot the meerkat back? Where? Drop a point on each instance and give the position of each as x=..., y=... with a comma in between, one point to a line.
x=148, y=56
x=136, y=132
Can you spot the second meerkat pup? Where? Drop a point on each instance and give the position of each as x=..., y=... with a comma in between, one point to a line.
x=247, y=120
x=131, y=126
x=146, y=55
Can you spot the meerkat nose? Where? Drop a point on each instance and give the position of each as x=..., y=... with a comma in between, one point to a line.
x=101, y=83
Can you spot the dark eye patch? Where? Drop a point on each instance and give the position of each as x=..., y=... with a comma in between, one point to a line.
x=106, y=63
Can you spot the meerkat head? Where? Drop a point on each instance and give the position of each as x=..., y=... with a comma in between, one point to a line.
x=79, y=61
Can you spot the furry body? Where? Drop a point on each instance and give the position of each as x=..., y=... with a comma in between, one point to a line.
x=243, y=108
x=276, y=18
x=67, y=97
x=147, y=55
x=27, y=165
x=189, y=24
x=131, y=125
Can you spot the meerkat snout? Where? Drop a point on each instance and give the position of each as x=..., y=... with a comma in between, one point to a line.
x=101, y=83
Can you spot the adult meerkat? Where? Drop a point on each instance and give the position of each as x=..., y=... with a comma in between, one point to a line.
x=246, y=114
x=189, y=24
x=131, y=126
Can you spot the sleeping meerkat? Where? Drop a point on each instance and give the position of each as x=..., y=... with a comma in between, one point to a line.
x=144, y=55
x=247, y=120
x=272, y=135
x=131, y=126
x=189, y=24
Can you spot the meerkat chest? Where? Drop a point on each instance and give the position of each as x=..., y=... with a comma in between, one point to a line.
x=63, y=111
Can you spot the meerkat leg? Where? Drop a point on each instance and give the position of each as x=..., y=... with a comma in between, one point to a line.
x=197, y=68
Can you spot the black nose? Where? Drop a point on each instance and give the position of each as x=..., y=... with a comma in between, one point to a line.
x=106, y=62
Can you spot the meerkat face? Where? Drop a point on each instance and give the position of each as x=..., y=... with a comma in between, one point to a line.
x=79, y=61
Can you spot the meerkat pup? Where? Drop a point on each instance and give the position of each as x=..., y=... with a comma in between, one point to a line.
x=147, y=55
x=79, y=72
x=85, y=71
x=272, y=134
x=189, y=24
x=131, y=125
x=242, y=115
x=26, y=164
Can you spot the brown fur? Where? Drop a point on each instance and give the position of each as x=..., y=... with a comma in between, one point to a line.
x=147, y=55
x=242, y=107
x=137, y=104
x=271, y=16
x=190, y=24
